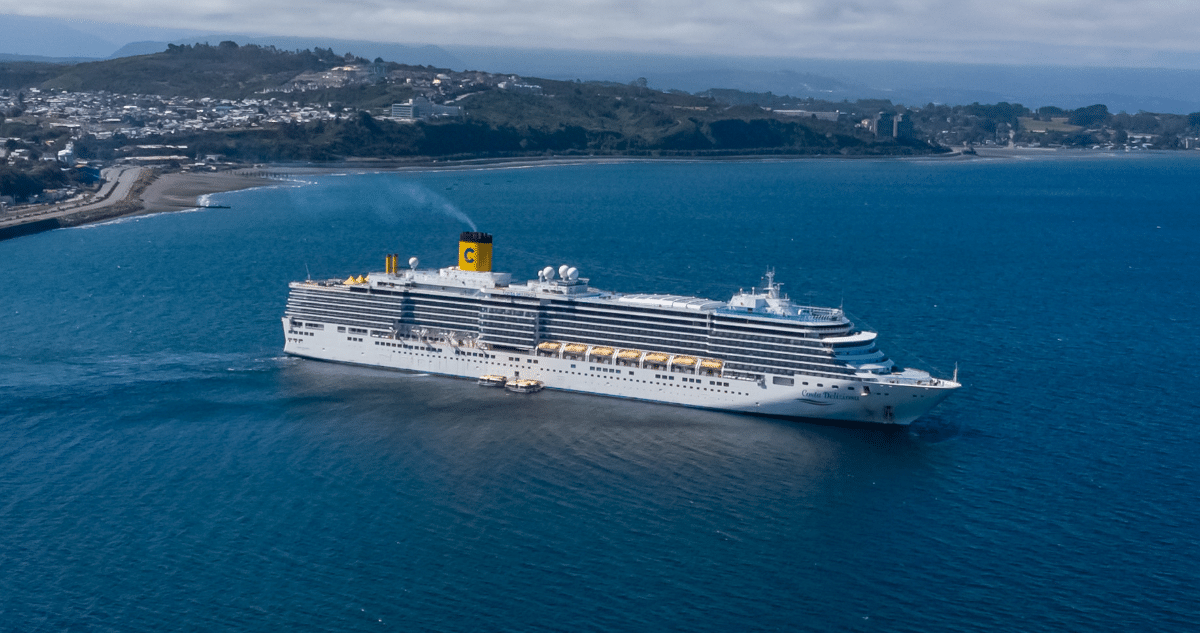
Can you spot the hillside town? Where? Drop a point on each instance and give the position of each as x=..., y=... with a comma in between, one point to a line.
x=44, y=129
x=134, y=116
x=48, y=123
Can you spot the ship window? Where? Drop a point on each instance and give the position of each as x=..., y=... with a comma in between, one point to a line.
x=342, y=330
x=572, y=367
x=806, y=382
x=780, y=380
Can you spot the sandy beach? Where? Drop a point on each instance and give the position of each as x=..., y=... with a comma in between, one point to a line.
x=181, y=190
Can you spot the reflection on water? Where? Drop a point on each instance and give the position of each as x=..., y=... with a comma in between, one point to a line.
x=163, y=467
x=465, y=430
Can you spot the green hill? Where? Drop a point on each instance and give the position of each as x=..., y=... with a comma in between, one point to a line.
x=226, y=71
x=504, y=116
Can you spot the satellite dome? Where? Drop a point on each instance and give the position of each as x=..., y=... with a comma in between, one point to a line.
x=548, y=273
x=572, y=273
x=412, y=262
x=562, y=271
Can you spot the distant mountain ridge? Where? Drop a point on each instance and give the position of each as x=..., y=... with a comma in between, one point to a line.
x=59, y=39
x=8, y=57
x=910, y=83
x=49, y=38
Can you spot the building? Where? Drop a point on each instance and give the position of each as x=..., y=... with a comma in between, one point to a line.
x=415, y=108
x=902, y=126
x=891, y=125
x=421, y=108
x=882, y=124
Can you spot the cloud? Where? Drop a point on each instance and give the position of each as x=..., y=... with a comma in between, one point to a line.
x=948, y=30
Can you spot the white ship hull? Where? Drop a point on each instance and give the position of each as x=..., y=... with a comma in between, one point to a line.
x=851, y=400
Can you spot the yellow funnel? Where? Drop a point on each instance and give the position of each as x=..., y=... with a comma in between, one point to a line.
x=475, y=251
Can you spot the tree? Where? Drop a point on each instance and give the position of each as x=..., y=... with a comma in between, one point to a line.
x=1089, y=116
x=1144, y=122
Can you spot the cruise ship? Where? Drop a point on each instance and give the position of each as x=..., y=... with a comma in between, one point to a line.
x=757, y=353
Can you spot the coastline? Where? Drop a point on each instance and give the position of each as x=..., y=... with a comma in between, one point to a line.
x=177, y=191
x=131, y=191
x=145, y=191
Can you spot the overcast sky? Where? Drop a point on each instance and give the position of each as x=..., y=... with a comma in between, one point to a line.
x=1163, y=33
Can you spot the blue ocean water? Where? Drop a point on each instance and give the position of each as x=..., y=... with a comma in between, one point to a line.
x=164, y=467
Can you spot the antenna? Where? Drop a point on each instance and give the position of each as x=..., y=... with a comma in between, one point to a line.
x=955, y=379
x=307, y=272
x=772, y=287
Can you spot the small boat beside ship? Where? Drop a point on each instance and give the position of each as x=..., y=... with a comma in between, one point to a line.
x=524, y=385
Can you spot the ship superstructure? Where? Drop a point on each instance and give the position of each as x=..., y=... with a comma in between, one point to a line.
x=758, y=353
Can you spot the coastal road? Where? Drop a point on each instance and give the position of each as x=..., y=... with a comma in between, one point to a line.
x=119, y=180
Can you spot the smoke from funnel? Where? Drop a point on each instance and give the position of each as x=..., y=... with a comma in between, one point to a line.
x=431, y=200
